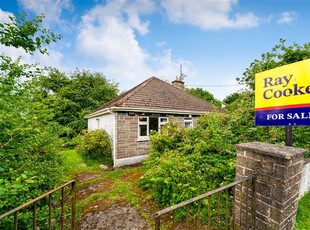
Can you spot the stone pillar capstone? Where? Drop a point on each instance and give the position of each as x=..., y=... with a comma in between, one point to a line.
x=277, y=171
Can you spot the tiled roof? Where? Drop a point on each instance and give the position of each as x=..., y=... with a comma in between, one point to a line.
x=157, y=94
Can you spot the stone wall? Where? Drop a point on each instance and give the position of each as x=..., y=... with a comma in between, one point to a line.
x=127, y=143
x=126, y=137
x=277, y=171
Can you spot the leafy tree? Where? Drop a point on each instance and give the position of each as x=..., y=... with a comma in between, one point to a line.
x=231, y=98
x=54, y=82
x=205, y=95
x=28, y=137
x=27, y=35
x=185, y=163
x=279, y=55
x=231, y=102
x=74, y=96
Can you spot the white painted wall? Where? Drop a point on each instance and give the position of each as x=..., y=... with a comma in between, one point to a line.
x=305, y=179
x=106, y=122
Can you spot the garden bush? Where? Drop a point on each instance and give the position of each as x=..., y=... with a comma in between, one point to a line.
x=96, y=145
x=30, y=164
x=184, y=163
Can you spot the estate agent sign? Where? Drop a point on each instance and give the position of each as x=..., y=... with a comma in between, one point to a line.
x=282, y=95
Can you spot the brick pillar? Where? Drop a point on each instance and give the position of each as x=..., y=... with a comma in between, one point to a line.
x=277, y=170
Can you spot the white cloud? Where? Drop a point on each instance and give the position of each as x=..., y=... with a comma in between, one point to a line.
x=12, y=52
x=134, y=9
x=54, y=59
x=287, y=17
x=208, y=15
x=4, y=16
x=107, y=34
x=161, y=44
x=167, y=68
x=51, y=9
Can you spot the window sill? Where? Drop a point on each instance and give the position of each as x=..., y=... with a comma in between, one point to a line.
x=143, y=139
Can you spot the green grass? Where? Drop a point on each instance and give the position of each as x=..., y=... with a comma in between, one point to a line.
x=122, y=190
x=75, y=164
x=303, y=213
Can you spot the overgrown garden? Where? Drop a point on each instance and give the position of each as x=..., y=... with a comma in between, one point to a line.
x=42, y=111
x=184, y=163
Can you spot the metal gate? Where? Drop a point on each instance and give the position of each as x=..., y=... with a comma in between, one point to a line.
x=51, y=206
x=212, y=210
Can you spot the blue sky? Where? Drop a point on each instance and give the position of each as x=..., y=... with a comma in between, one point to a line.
x=132, y=40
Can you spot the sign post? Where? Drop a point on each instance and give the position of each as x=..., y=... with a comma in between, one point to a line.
x=282, y=97
x=288, y=135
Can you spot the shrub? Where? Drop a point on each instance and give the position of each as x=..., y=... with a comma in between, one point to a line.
x=184, y=163
x=96, y=145
x=29, y=161
x=71, y=143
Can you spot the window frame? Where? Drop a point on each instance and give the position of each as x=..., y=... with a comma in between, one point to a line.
x=147, y=123
x=140, y=123
x=190, y=121
x=97, y=123
x=162, y=123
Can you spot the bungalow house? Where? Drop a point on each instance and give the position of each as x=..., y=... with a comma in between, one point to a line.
x=129, y=118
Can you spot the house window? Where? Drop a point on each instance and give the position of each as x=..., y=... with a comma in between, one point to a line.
x=162, y=122
x=188, y=122
x=153, y=124
x=143, y=126
x=97, y=123
x=149, y=124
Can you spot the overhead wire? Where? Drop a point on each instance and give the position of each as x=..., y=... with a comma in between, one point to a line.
x=214, y=85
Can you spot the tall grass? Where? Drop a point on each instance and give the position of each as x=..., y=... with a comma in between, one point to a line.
x=303, y=213
x=75, y=164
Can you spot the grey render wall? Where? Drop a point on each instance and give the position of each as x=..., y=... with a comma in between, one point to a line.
x=305, y=178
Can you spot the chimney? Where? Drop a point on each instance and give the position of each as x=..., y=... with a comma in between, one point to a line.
x=178, y=83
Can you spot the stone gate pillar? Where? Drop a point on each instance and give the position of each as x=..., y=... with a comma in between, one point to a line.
x=277, y=170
